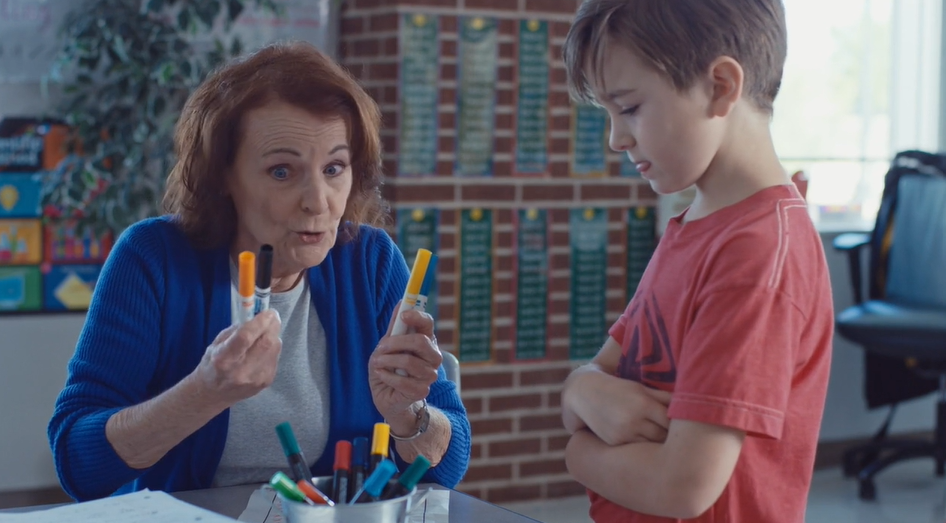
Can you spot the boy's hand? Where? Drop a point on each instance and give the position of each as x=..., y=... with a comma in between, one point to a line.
x=621, y=411
x=617, y=410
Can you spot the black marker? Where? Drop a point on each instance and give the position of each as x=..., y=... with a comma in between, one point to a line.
x=297, y=465
x=264, y=276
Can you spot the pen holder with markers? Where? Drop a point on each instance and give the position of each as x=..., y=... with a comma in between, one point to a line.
x=392, y=510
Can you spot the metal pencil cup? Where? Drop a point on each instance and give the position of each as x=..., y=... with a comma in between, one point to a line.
x=387, y=511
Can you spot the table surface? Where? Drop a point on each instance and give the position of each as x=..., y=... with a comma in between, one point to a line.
x=231, y=501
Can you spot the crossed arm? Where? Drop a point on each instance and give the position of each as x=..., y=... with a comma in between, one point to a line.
x=624, y=447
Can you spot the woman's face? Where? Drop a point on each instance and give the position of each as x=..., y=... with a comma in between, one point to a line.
x=290, y=183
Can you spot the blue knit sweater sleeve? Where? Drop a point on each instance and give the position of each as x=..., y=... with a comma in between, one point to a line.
x=392, y=279
x=115, y=358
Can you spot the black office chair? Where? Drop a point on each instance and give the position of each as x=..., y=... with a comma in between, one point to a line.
x=902, y=325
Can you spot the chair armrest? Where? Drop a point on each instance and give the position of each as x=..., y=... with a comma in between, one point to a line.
x=852, y=243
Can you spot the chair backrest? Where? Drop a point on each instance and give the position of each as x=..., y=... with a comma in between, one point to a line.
x=916, y=271
x=451, y=365
x=907, y=164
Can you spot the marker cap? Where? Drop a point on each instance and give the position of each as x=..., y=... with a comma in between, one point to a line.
x=430, y=276
x=264, y=267
x=411, y=477
x=285, y=486
x=359, y=454
x=418, y=272
x=247, y=274
x=342, y=455
x=382, y=435
x=380, y=477
x=287, y=438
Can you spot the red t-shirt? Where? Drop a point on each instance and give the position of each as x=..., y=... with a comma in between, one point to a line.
x=734, y=316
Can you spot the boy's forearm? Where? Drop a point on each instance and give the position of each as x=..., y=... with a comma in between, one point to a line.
x=638, y=476
x=630, y=475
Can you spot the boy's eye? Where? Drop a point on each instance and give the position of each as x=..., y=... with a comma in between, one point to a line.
x=280, y=172
x=630, y=110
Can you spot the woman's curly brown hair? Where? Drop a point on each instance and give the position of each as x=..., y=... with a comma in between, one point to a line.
x=209, y=132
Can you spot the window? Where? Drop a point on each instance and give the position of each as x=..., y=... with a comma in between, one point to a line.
x=861, y=83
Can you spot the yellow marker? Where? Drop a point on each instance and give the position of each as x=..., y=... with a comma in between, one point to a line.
x=247, y=286
x=379, y=445
x=413, y=289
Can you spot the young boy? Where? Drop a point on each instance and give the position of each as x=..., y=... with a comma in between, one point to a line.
x=706, y=400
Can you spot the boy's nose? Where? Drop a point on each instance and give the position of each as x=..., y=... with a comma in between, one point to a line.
x=620, y=140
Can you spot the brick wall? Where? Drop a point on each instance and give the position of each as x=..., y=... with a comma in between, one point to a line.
x=514, y=407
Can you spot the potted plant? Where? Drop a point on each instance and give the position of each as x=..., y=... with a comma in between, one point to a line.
x=126, y=68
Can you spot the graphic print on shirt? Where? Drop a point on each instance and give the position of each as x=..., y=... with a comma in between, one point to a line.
x=647, y=329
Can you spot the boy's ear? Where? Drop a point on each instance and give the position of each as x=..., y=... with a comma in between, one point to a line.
x=726, y=77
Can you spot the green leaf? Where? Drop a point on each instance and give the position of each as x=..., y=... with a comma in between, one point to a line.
x=236, y=47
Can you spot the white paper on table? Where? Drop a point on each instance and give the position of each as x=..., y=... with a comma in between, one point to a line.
x=145, y=506
x=264, y=506
x=434, y=509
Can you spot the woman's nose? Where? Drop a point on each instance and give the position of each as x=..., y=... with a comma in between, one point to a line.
x=314, y=196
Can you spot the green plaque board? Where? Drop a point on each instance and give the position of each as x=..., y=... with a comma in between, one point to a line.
x=533, y=105
x=532, y=273
x=641, y=242
x=476, y=285
x=628, y=168
x=589, y=150
x=476, y=96
x=589, y=259
x=420, y=70
x=417, y=229
x=21, y=289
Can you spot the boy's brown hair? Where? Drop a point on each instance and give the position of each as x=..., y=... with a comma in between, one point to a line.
x=680, y=38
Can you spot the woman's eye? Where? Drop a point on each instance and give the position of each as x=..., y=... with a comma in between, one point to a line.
x=334, y=169
x=280, y=173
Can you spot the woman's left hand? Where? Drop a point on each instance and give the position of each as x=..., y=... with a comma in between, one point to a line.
x=416, y=354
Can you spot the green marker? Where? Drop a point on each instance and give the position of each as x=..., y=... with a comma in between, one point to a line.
x=283, y=484
x=408, y=480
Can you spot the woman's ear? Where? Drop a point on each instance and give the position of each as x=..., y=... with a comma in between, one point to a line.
x=726, y=78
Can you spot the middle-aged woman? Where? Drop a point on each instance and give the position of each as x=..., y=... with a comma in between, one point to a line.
x=166, y=392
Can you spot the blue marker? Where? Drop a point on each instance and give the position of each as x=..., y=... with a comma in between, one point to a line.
x=375, y=483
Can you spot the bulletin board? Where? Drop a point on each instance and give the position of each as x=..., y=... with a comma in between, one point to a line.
x=45, y=265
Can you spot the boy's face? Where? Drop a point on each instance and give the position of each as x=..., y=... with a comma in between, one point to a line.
x=670, y=136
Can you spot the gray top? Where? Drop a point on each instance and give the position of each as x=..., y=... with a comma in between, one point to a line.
x=299, y=395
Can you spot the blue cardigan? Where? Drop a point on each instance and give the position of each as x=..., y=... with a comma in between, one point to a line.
x=159, y=303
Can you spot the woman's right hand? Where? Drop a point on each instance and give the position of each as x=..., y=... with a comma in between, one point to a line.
x=242, y=360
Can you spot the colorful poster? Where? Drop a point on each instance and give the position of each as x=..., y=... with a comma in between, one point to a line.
x=641, y=242
x=533, y=105
x=20, y=195
x=589, y=137
x=28, y=145
x=589, y=258
x=21, y=242
x=532, y=275
x=20, y=289
x=476, y=95
x=420, y=71
x=63, y=245
x=69, y=287
x=417, y=229
x=476, y=285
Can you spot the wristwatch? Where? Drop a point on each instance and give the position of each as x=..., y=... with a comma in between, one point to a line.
x=423, y=420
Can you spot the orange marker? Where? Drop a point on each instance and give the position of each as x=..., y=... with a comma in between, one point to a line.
x=247, y=286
